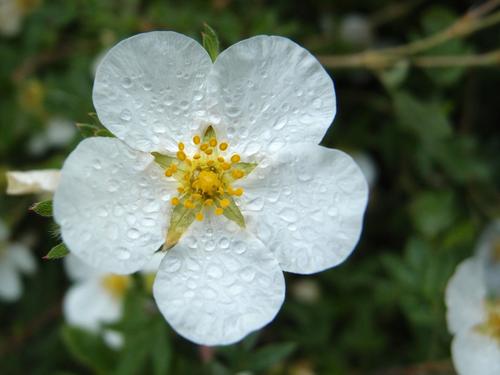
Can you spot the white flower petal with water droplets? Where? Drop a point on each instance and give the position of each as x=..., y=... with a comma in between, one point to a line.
x=475, y=354
x=149, y=89
x=465, y=296
x=112, y=205
x=38, y=181
x=271, y=92
x=307, y=206
x=218, y=284
x=88, y=304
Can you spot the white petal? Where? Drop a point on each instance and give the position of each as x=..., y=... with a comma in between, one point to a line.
x=475, y=354
x=218, y=285
x=465, y=296
x=307, y=206
x=154, y=264
x=22, y=258
x=114, y=339
x=88, y=305
x=41, y=181
x=112, y=205
x=487, y=251
x=149, y=89
x=77, y=269
x=10, y=281
x=270, y=92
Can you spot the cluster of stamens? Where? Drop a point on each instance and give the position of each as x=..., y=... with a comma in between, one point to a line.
x=491, y=327
x=206, y=178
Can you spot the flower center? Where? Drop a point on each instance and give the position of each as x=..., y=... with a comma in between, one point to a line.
x=491, y=327
x=206, y=178
x=116, y=285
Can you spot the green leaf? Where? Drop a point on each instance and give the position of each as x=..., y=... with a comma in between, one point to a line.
x=89, y=349
x=43, y=208
x=164, y=160
x=232, y=212
x=209, y=134
x=270, y=355
x=210, y=41
x=180, y=221
x=57, y=252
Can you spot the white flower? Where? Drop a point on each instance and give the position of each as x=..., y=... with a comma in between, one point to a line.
x=11, y=15
x=96, y=297
x=269, y=102
x=59, y=133
x=474, y=313
x=15, y=259
x=37, y=181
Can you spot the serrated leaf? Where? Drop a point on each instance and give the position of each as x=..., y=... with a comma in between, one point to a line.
x=164, y=160
x=43, y=208
x=209, y=134
x=180, y=221
x=232, y=212
x=57, y=252
x=210, y=41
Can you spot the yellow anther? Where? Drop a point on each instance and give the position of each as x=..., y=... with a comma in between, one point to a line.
x=173, y=168
x=225, y=166
x=203, y=147
x=208, y=202
x=237, y=173
x=180, y=189
x=220, y=190
x=209, y=151
x=213, y=142
x=175, y=201
x=188, y=204
x=224, y=203
x=196, y=196
x=188, y=162
x=223, y=146
x=181, y=155
x=210, y=163
x=219, y=211
x=181, y=146
x=239, y=192
x=235, y=158
x=196, y=156
x=187, y=176
x=220, y=159
x=199, y=216
x=196, y=139
x=168, y=172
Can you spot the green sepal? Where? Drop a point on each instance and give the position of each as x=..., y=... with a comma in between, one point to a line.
x=96, y=129
x=164, y=161
x=247, y=168
x=209, y=134
x=232, y=212
x=210, y=41
x=104, y=133
x=87, y=130
x=180, y=221
x=43, y=208
x=57, y=252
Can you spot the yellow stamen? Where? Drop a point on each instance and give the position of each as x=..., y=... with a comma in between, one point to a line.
x=224, y=203
x=199, y=216
x=213, y=142
x=225, y=166
x=175, y=201
x=239, y=192
x=203, y=147
x=235, y=158
x=181, y=155
x=173, y=168
x=219, y=211
x=196, y=196
x=168, y=173
x=188, y=204
x=180, y=189
x=208, y=202
x=223, y=146
x=181, y=146
x=209, y=151
x=237, y=173
x=221, y=159
x=196, y=156
x=196, y=139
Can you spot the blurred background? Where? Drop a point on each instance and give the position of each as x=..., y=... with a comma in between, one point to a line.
x=420, y=116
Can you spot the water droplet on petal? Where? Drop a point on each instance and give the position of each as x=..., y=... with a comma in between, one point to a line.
x=126, y=115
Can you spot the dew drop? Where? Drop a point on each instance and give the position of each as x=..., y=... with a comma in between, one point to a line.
x=224, y=243
x=317, y=103
x=173, y=265
x=248, y=274
x=133, y=233
x=147, y=86
x=123, y=254
x=289, y=215
x=280, y=123
x=239, y=247
x=127, y=82
x=97, y=164
x=126, y=115
x=214, y=272
x=210, y=246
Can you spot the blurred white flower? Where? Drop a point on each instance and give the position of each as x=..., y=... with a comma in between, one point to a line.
x=15, y=260
x=11, y=15
x=306, y=291
x=59, y=133
x=96, y=297
x=32, y=182
x=473, y=314
x=356, y=29
x=300, y=210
